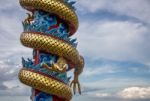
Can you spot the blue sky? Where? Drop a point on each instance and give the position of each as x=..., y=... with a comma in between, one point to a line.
x=113, y=37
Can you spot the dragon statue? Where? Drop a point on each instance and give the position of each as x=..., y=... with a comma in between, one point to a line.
x=48, y=30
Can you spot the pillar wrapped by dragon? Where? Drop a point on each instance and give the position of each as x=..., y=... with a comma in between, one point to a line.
x=48, y=30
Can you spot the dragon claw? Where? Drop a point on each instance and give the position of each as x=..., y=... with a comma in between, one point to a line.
x=76, y=85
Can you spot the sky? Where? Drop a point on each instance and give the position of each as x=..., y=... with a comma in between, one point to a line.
x=113, y=37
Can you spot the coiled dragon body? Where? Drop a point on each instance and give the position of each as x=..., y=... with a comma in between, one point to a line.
x=47, y=30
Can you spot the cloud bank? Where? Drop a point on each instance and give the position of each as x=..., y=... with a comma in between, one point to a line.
x=136, y=93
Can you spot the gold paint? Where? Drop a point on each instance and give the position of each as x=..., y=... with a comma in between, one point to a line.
x=53, y=46
x=60, y=66
x=58, y=7
x=59, y=47
x=28, y=19
x=45, y=84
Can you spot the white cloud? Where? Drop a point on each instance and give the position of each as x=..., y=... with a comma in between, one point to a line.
x=139, y=9
x=112, y=82
x=8, y=4
x=135, y=93
x=11, y=15
x=15, y=88
x=10, y=28
x=105, y=69
x=10, y=84
x=116, y=40
x=98, y=94
x=103, y=95
x=9, y=68
x=130, y=93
